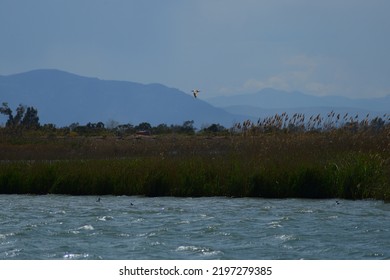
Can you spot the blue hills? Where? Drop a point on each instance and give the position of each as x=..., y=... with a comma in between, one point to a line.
x=63, y=98
x=268, y=102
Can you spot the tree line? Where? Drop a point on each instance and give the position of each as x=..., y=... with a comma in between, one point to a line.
x=26, y=118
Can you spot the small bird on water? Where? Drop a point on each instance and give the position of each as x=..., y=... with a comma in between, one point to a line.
x=98, y=200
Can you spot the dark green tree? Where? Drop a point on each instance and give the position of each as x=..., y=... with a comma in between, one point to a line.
x=144, y=126
x=214, y=128
x=25, y=117
x=17, y=120
x=188, y=127
x=162, y=129
x=30, y=119
x=6, y=110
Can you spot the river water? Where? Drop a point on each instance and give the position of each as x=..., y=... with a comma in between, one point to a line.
x=80, y=227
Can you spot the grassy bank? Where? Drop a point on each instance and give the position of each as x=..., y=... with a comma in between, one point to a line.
x=276, y=165
x=352, y=176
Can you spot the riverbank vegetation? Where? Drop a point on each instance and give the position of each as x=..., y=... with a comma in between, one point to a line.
x=278, y=157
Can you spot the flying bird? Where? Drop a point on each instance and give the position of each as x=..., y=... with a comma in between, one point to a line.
x=195, y=92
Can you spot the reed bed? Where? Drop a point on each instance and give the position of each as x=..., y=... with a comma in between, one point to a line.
x=353, y=176
x=349, y=161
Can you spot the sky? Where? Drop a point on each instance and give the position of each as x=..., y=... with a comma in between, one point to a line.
x=222, y=47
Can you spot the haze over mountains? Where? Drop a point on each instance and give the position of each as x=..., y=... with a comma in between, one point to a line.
x=63, y=98
x=270, y=101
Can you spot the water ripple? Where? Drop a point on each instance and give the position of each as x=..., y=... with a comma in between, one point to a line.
x=68, y=227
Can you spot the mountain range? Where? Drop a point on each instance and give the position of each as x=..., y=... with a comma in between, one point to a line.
x=63, y=98
x=271, y=101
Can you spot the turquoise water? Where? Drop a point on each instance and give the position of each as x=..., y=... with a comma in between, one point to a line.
x=79, y=227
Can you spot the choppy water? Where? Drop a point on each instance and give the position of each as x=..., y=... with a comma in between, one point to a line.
x=70, y=227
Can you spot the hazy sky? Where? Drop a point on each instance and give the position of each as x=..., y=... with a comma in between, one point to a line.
x=332, y=47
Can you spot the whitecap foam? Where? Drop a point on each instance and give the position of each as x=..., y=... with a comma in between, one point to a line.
x=305, y=211
x=286, y=237
x=203, y=250
x=274, y=224
x=186, y=248
x=87, y=227
x=333, y=217
x=75, y=256
x=12, y=253
x=105, y=218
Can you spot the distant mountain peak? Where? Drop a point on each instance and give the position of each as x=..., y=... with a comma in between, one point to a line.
x=63, y=98
x=43, y=72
